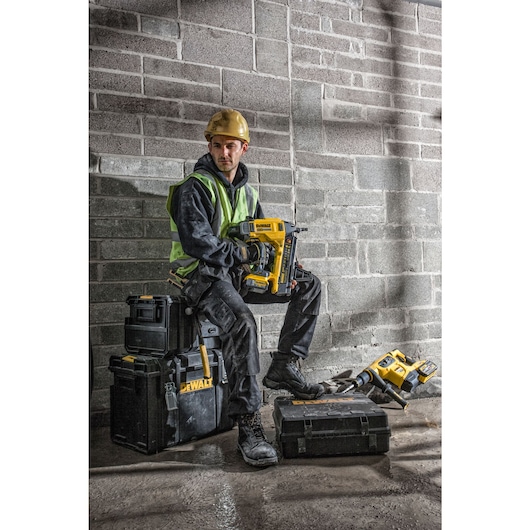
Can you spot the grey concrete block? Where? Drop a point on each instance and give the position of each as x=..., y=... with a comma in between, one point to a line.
x=157, y=147
x=138, y=105
x=161, y=27
x=324, y=180
x=135, y=249
x=271, y=21
x=139, y=167
x=340, y=11
x=276, y=194
x=276, y=176
x=282, y=211
x=216, y=47
x=111, y=207
x=116, y=82
x=175, y=90
x=113, y=19
x=357, y=198
x=173, y=129
x=255, y=92
x=431, y=152
x=427, y=106
x=226, y=14
x=383, y=173
x=394, y=257
x=270, y=140
x=401, y=149
x=160, y=8
x=318, y=160
x=156, y=208
x=310, y=214
x=323, y=74
x=135, y=270
x=356, y=294
x=355, y=138
x=117, y=145
x=268, y=157
x=272, y=57
x=409, y=290
x=359, y=96
x=330, y=268
x=133, y=43
x=115, y=61
x=412, y=208
x=308, y=249
x=432, y=256
x=428, y=315
x=273, y=122
x=355, y=214
x=333, y=110
x=115, y=228
x=108, y=313
x=310, y=196
x=401, y=133
x=115, y=123
x=182, y=71
x=371, y=231
x=342, y=249
x=134, y=187
x=307, y=116
x=427, y=176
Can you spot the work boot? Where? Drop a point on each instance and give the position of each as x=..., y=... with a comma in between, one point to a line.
x=284, y=374
x=252, y=443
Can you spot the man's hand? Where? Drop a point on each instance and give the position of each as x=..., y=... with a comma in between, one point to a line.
x=259, y=253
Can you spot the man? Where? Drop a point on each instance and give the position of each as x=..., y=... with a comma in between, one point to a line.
x=211, y=265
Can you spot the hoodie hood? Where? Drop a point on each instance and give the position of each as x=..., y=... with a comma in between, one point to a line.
x=206, y=163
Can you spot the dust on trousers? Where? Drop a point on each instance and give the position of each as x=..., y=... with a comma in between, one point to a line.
x=226, y=308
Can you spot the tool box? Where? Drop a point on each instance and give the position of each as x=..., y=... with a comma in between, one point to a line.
x=159, y=402
x=331, y=425
x=157, y=325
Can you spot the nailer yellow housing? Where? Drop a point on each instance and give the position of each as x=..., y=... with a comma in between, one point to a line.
x=281, y=269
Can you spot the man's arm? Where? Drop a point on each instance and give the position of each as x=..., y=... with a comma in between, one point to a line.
x=193, y=212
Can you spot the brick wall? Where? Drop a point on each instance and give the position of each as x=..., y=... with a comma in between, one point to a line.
x=343, y=99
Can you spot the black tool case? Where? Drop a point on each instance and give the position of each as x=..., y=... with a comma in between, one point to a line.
x=332, y=425
x=159, y=402
x=158, y=324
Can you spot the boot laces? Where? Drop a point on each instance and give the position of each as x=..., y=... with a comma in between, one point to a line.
x=253, y=421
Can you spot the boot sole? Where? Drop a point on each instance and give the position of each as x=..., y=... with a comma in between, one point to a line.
x=262, y=462
x=282, y=386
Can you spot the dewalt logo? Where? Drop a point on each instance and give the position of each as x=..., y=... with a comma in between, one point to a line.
x=197, y=384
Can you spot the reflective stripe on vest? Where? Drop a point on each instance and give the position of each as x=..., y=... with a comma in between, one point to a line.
x=224, y=216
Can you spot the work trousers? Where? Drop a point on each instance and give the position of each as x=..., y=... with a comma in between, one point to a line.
x=226, y=308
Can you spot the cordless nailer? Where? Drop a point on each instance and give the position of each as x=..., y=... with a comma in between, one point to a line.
x=394, y=369
x=278, y=268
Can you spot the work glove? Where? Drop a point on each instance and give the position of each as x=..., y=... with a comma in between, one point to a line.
x=259, y=253
x=253, y=253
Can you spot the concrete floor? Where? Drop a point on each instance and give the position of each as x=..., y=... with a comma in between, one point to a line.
x=206, y=484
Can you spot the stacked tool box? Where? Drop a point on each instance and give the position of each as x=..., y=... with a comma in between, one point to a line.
x=162, y=394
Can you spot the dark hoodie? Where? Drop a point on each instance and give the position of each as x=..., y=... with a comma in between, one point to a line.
x=193, y=211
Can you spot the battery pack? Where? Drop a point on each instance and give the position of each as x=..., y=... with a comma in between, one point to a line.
x=331, y=425
x=159, y=402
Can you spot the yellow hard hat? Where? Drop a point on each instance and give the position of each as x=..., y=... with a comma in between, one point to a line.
x=228, y=122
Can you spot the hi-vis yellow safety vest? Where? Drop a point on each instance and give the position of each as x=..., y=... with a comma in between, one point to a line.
x=224, y=216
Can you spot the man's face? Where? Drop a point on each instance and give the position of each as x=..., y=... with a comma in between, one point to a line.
x=226, y=153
